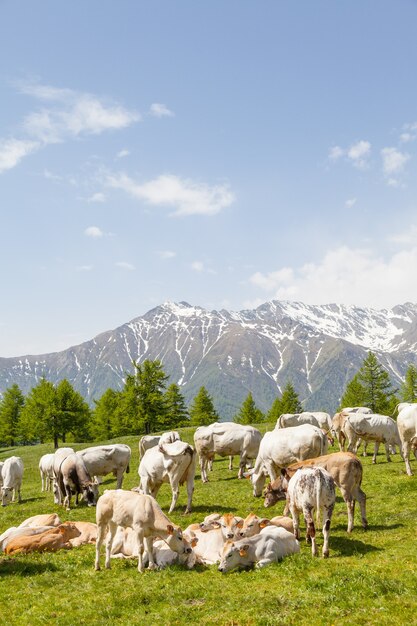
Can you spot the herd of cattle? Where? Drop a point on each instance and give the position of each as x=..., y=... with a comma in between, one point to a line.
x=132, y=524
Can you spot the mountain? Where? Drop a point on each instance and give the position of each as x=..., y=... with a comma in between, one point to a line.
x=317, y=348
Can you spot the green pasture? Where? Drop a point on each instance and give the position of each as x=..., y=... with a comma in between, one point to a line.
x=370, y=577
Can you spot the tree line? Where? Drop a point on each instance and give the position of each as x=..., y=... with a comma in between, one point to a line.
x=146, y=403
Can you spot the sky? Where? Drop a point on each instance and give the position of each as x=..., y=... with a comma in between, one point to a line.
x=222, y=153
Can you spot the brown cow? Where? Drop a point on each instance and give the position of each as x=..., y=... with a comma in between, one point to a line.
x=252, y=524
x=346, y=470
x=49, y=541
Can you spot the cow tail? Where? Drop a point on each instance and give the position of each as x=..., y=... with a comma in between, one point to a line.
x=191, y=464
x=319, y=486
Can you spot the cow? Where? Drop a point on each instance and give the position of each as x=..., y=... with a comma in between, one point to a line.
x=253, y=524
x=47, y=519
x=46, y=470
x=143, y=514
x=339, y=420
x=309, y=489
x=375, y=427
x=407, y=430
x=280, y=448
x=149, y=441
x=26, y=531
x=346, y=470
x=226, y=439
x=59, y=456
x=101, y=460
x=319, y=419
x=88, y=534
x=50, y=540
x=228, y=523
x=73, y=477
x=269, y=546
x=211, y=535
x=170, y=462
x=12, y=474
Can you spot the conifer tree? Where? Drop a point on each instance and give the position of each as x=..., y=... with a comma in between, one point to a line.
x=40, y=420
x=11, y=407
x=73, y=412
x=290, y=402
x=354, y=394
x=202, y=411
x=249, y=413
x=176, y=411
x=408, y=390
x=104, y=424
x=371, y=387
x=275, y=411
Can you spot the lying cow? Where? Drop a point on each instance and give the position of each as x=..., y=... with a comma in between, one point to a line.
x=73, y=477
x=309, y=489
x=346, y=470
x=228, y=523
x=143, y=514
x=50, y=540
x=88, y=534
x=226, y=439
x=407, y=430
x=47, y=519
x=269, y=546
x=211, y=535
x=11, y=474
x=15, y=532
x=252, y=524
x=103, y=460
x=168, y=462
x=280, y=448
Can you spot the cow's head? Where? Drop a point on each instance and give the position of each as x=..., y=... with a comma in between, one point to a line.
x=277, y=491
x=90, y=493
x=252, y=525
x=257, y=479
x=233, y=555
x=176, y=541
x=6, y=495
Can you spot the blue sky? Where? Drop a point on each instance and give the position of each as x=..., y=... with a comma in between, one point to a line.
x=224, y=153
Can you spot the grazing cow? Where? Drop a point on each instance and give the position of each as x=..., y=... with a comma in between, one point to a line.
x=269, y=546
x=150, y=441
x=407, y=429
x=101, y=460
x=169, y=462
x=59, y=456
x=226, y=439
x=88, y=534
x=143, y=514
x=50, y=540
x=12, y=474
x=73, y=477
x=46, y=470
x=286, y=420
x=309, y=489
x=346, y=470
x=47, y=519
x=252, y=524
x=375, y=427
x=280, y=448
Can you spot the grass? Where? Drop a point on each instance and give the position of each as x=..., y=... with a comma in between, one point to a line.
x=370, y=577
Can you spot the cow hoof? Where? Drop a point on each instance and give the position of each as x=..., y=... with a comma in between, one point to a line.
x=325, y=555
x=97, y=568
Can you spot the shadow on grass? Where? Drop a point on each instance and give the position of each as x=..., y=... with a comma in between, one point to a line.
x=13, y=566
x=348, y=546
x=215, y=508
x=37, y=499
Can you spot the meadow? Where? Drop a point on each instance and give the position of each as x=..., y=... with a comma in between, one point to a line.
x=370, y=577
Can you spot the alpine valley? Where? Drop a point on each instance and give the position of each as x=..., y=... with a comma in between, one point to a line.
x=317, y=348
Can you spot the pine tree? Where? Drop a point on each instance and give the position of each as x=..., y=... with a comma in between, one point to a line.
x=104, y=424
x=290, y=402
x=202, y=411
x=176, y=411
x=11, y=407
x=73, y=412
x=275, y=411
x=249, y=413
x=379, y=395
x=354, y=394
x=39, y=420
x=408, y=390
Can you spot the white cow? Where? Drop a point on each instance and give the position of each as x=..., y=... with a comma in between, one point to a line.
x=211, y=535
x=170, y=462
x=279, y=448
x=59, y=456
x=270, y=546
x=12, y=474
x=226, y=439
x=309, y=489
x=102, y=460
x=286, y=420
x=149, y=441
x=46, y=519
x=407, y=430
x=143, y=514
x=46, y=470
x=375, y=427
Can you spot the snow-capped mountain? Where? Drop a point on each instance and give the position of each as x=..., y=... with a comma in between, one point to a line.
x=317, y=348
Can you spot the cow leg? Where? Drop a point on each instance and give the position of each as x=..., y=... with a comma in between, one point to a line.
x=109, y=542
x=350, y=503
x=352, y=445
x=231, y=464
x=42, y=480
x=287, y=507
x=242, y=465
x=387, y=453
x=140, y=551
x=406, y=453
x=190, y=491
x=376, y=448
x=328, y=511
x=361, y=498
x=203, y=466
x=119, y=476
x=175, y=488
x=19, y=497
x=101, y=533
x=149, y=550
x=311, y=530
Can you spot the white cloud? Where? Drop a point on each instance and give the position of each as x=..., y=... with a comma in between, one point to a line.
x=345, y=275
x=350, y=203
x=393, y=161
x=97, y=197
x=84, y=268
x=357, y=154
x=160, y=110
x=122, y=154
x=335, y=153
x=407, y=238
x=185, y=196
x=12, y=151
x=166, y=254
x=197, y=266
x=93, y=231
x=123, y=265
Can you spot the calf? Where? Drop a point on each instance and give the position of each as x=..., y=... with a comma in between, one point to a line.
x=252, y=524
x=143, y=514
x=12, y=474
x=47, y=519
x=228, y=523
x=88, y=534
x=269, y=546
x=346, y=470
x=50, y=540
x=309, y=489
x=26, y=531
